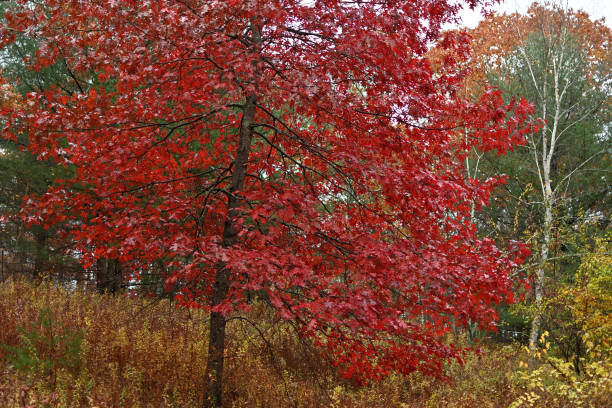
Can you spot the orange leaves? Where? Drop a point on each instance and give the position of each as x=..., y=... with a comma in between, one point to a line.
x=9, y=99
x=497, y=36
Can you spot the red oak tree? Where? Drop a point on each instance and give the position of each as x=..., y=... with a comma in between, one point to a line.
x=300, y=150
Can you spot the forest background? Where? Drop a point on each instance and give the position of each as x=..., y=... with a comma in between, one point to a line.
x=129, y=344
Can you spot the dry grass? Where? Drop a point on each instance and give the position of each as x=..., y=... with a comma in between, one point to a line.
x=145, y=353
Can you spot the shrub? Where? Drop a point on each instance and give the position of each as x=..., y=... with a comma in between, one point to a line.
x=46, y=347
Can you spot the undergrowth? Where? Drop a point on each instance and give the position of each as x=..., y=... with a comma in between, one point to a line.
x=72, y=348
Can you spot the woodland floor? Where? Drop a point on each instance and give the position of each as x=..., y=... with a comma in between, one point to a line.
x=79, y=349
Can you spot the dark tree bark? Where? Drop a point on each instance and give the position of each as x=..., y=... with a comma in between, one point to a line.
x=216, y=346
x=41, y=260
x=109, y=276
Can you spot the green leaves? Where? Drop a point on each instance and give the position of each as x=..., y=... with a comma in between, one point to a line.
x=46, y=347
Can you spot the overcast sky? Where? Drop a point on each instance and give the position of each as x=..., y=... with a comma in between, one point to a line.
x=595, y=8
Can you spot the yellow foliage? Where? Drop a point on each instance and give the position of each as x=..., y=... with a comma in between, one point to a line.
x=584, y=380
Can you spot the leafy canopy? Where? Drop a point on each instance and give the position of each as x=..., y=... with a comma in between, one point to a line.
x=354, y=220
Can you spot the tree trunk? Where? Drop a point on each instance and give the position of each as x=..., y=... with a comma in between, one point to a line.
x=548, y=153
x=216, y=346
x=539, y=278
x=41, y=258
x=109, y=276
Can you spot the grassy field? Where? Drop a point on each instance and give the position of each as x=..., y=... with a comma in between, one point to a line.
x=78, y=349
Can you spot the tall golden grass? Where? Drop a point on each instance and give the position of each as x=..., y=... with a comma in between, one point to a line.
x=149, y=353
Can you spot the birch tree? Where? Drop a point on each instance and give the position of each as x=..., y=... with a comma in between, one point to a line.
x=560, y=61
